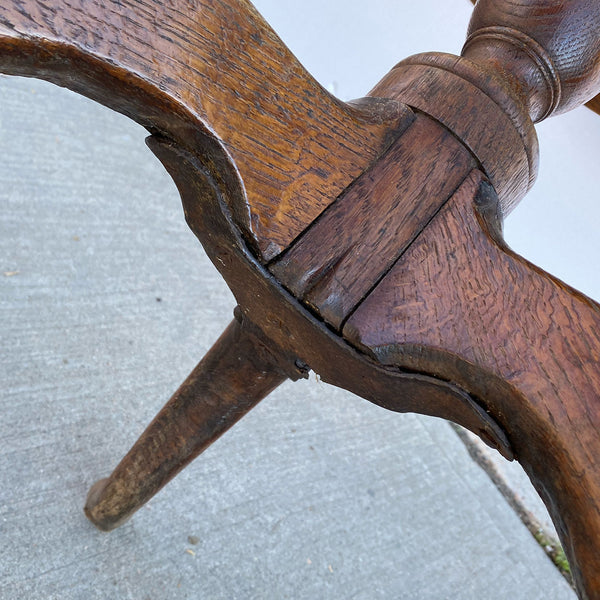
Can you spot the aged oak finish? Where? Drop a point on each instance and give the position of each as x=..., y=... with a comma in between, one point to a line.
x=362, y=240
x=577, y=24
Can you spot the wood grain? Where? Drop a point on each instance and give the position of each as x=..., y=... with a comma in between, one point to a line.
x=459, y=303
x=593, y=104
x=209, y=68
x=479, y=111
x=374, y=221
x=548, y=52
x=297, y=333
x=231, y=379
x=453, y=324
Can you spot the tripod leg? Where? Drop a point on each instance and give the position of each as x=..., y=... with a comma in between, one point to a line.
x=234, y=376
x=460, y=304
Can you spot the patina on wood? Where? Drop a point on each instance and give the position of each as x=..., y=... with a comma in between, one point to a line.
x=361, y=240
x=577, y=25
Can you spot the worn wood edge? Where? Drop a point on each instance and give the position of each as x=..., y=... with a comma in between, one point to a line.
x=121, y=90
x=55, y=46
x=492, y=393
x=544, y=534
x=532, y=433
x=99, y=79
x=264, y=302
x=317, y=268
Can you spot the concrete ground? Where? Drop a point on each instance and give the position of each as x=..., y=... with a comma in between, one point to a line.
x=106, y=303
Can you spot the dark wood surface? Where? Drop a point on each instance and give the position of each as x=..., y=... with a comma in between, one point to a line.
x=594, y=104
x=340, y=231
x=504, y=142
x=179, y=70
x=547, y=52
x=373, y=221
x=579, y=26
x=526, y=356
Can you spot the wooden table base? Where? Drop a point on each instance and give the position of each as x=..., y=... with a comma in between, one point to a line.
x=361, y=240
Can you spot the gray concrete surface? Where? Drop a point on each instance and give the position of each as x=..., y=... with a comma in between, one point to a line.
x=106, y=303
x=516, y=484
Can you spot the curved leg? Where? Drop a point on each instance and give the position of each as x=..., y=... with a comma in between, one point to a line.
x=462, y=305
x=215, y=71
x=236, y=373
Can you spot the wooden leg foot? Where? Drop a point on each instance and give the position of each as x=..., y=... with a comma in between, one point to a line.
x=93, y=498
x=234, y=376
